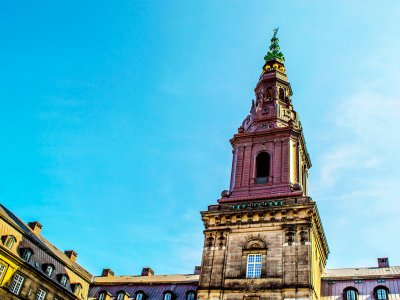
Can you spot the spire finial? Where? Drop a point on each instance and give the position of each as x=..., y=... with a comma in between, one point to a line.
x=275, y=30
x=274, y=52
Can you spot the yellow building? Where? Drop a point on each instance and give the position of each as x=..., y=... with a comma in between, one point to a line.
x=33, y=268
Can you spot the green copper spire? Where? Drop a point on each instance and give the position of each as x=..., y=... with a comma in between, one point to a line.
x=274, y=52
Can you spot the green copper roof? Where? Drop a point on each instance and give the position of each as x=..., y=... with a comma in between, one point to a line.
x=274, y=52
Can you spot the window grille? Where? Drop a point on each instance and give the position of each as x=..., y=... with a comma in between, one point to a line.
x=16, y=284
x=254, y=263
x=41, y=295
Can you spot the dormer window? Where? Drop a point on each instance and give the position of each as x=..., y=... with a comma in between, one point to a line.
x=168, y=296
x=140, y=296
x=48, y=269
x=262, y=167
x=62, y=279
x=9, y=241
x=76, y=288
x=102, y=296
x=26, y=254
x=121, y=295
x=191, y=296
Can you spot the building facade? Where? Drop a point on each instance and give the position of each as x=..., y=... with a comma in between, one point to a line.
x=263, y=239
x=33, y=268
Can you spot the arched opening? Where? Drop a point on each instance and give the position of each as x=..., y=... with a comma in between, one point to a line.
x=269, y=93
x=262, y=167
x=281, y=94
x=350, y=294
x=381, y=293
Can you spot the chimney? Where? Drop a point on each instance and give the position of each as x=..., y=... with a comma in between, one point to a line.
x=383, y=262
x=36, y=227
x=72, y=255
x=107, y=273
x=197, y=270
x=147, y=272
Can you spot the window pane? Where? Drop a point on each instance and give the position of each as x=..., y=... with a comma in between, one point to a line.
x=139, y=296
x=16, y=284
x=190, y=296
x=2, y=271
x=381, y=293
x=40, y=295
x=167, y=296
x=254, y=265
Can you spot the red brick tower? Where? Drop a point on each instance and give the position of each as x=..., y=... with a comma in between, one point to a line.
x=270, y=157
x=264, y=239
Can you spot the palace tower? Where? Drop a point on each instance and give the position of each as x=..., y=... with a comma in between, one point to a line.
x=264, y=239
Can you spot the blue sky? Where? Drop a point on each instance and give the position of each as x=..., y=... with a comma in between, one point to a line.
x=115, y=119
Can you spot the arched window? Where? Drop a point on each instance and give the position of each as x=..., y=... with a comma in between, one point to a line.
x=350, y=294
x=168, y=296
x=76, y=288
x=281, y=94
x=26, y=254
x=191, y=296
x=62, y=279
x=121, y=295
x=48, y=269
x=9, y=241
x=140, y=296
x=262, y=167
x=102, y=296
x=381, y=293
x=269, y=93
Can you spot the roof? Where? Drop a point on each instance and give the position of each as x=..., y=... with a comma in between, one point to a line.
x=43, y=243
x=154, y=279
x=372, y=272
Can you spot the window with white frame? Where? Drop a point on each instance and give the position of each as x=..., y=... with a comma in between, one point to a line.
x=10, y=241
x=120, y=296
x=49, y=269
x=102, y=296
x=63, y=279
x=168, y=296
x=16, y=284
x=191, y=296
x=254, y=263
x=139, y=296
x=2, y=271
x=41, y=295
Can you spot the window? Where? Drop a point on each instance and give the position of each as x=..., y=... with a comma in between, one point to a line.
x=2, y=271
x=120, y=296
x=63, y=278
x=139, y=296
x=262, y=167
x=168, y=296
x=102, y=296
x=27, y=254
x=48, y=270
x=191, y=296
x=10, y=241
x=41, y=295
x=350, y=294
x=76, y=288
x=281, y=94
x=16, y=284
x=254, y=262
x=269, y=93
x=381, y=293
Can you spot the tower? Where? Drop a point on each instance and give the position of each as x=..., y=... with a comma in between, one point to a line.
x=264, y=239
